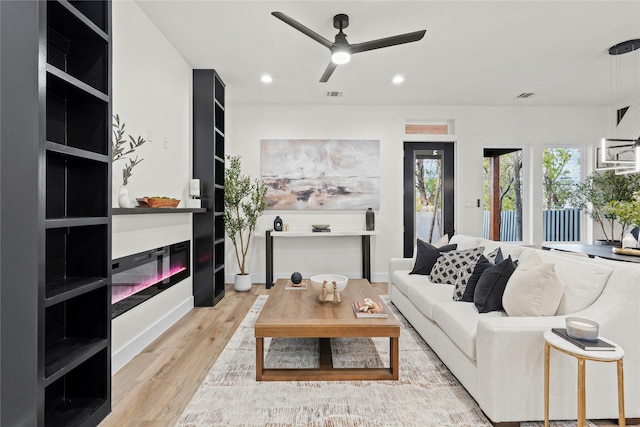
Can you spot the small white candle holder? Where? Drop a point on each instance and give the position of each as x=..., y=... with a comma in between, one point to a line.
x=582, y=329
x=194, y=192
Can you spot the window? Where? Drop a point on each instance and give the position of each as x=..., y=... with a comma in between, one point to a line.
x=560, y=174
x=502, y=183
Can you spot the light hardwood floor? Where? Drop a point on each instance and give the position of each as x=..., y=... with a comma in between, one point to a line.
x=153, y=389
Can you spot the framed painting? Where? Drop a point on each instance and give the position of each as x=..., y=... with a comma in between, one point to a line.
x=321, y=173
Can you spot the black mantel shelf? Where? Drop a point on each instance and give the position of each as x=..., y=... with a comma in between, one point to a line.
x=145, y=211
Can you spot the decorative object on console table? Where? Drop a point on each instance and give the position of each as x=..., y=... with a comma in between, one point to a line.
x=277, y=224
x=370, y=220
x=320, y=228
x=244, y=202
x=194, y=201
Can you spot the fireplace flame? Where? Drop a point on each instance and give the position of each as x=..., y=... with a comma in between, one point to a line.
x=120, y=291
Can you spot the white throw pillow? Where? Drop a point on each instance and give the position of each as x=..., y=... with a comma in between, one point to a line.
x=443, y=241
x=533, y=260
x=535, y=291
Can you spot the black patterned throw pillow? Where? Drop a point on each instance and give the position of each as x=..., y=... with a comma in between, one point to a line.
x=451, y=264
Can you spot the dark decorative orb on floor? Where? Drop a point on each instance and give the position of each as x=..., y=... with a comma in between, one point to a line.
x=296, y=278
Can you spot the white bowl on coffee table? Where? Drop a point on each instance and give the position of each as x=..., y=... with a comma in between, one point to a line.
x=317, y=280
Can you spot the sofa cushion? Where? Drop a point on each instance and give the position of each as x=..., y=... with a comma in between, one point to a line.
x=403, y=280
x=584, y=280
x=459, y=320
x=450, y=264
x=495, y=256
x=465, y=242
x=425, y=297
x=427, y=255
x=536, y=291
x=490, y=287
x=482, y=264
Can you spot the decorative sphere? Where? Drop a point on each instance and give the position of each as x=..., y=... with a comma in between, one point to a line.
x=296, y=278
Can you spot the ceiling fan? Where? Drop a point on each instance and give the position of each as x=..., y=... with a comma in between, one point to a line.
x=341, y=50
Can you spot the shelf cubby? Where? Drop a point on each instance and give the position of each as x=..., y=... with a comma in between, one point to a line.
x=219, y=143
x=218, y=90
x=219, y=117
x=81, y=396
x=76, y=254
x=75, y=48
x=75, y=117
x=75, y=330
x=218, y=232
x=94, y=10
x=75, y=187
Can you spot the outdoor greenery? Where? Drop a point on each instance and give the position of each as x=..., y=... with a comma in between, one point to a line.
x=244, y=202
x=119, y=148
x=558, y=182
x=510, y=197
x=601, y=193
x=627, y=211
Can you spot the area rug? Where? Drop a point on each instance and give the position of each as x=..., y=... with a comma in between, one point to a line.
x=426, y=394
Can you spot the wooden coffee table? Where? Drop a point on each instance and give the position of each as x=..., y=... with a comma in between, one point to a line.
x=299, y=314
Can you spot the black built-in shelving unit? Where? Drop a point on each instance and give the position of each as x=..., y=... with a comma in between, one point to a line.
x=208, y=166
x=61, y=53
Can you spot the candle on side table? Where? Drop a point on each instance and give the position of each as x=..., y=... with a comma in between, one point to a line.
x=582, y=328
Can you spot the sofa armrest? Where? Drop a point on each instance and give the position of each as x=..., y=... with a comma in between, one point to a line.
x=396, y=264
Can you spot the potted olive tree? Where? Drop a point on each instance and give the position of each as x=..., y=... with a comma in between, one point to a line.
x=244, y=202
x=596, y=196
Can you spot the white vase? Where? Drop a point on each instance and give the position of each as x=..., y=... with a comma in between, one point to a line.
x=123, y=197
x=242, y=282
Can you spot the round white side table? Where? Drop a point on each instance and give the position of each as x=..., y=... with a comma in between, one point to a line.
x=564, y=346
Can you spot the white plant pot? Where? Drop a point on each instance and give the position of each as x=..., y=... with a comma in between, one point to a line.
x=242, y=282
x=123, y=197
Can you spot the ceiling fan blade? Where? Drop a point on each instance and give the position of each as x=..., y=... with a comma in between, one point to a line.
x=327, y=73
x=388, y=41
x=298, y=26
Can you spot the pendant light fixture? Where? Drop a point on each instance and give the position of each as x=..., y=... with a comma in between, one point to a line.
x=621, y=155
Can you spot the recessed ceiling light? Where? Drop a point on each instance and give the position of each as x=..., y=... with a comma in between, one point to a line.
x=398, y=79
x=266, y=78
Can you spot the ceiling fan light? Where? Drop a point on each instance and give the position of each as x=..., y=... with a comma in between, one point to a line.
x=340, y=57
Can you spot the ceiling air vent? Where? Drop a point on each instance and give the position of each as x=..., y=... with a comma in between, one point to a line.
x=334, y=94
x=525, y=95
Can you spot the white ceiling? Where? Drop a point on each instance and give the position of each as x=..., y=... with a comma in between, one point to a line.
x=474, y=52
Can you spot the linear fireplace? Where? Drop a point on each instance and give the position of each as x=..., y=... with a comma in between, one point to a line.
x=138, y=277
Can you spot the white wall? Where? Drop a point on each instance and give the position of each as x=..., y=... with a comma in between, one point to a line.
x=476, y=128
x=152, y=95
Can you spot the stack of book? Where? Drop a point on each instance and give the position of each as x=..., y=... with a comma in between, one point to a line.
x=372, y=309
x=584, y=344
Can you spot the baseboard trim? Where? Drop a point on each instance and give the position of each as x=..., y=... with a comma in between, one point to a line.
x=261, y=278
x=135, y=346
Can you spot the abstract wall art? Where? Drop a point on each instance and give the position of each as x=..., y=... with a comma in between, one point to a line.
x=321, y=173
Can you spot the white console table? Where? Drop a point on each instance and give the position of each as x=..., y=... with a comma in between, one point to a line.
x=366, y=247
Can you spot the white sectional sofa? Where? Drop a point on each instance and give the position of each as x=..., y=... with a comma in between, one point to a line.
x=500, y=359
